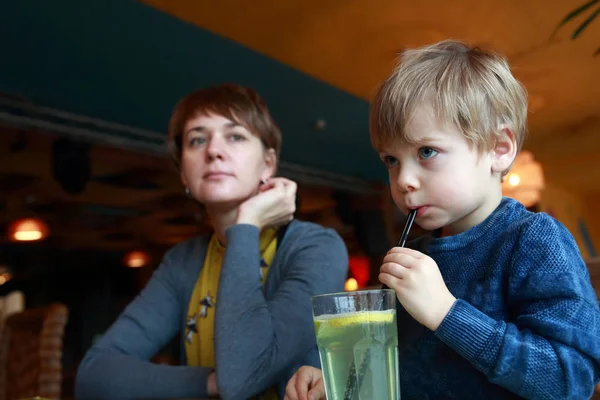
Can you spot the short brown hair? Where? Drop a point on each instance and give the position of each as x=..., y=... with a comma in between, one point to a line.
x=469, y=88
x=235, y=102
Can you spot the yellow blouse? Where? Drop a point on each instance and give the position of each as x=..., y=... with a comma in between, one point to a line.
x=199, y=341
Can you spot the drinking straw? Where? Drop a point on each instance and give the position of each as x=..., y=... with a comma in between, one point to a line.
x=409, y=222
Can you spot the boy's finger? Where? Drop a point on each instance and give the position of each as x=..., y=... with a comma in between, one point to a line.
x=396, y=270
x=290, y=389
x=406, y=250
x=406, y=260
x=389, y=280
x=318, y=392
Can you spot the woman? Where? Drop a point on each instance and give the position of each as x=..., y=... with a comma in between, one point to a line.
x=240, y=296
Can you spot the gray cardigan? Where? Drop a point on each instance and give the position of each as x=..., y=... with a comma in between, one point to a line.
x=262, y=335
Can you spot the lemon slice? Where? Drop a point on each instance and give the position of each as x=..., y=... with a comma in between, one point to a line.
x=343, y=320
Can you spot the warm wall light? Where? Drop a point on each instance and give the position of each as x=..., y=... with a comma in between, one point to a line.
x=4, y=274
x=525, y=181
x=136, y=259
x=513, y=179
x=351, y=285
x=5, y=277
x=28, y=230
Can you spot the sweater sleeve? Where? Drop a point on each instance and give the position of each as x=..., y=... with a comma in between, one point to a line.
x=550, y=347
x=118, y=366
x=257, y=340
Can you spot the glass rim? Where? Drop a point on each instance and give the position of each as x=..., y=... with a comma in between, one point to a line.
x=355, y=292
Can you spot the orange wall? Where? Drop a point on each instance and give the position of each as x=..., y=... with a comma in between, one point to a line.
x=569, y=207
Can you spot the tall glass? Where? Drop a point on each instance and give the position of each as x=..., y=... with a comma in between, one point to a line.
x=358, y=344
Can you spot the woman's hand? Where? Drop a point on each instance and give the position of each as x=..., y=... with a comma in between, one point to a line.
x=274, y=205
x=306, y=384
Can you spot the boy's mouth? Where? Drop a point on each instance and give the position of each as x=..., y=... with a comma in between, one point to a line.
x=421, y=210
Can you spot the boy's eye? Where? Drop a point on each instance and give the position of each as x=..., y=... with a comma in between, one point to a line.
x=427, y=153
x=236, y=137
x=390, y=161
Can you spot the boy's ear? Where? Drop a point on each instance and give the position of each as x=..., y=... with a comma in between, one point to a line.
x=504, y=151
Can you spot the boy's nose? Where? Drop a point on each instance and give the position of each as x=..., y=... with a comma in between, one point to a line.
x=408, y=181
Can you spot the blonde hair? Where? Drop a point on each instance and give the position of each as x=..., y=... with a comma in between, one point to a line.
x=469, y=88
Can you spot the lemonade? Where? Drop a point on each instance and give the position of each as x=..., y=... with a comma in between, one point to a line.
x=359, y=355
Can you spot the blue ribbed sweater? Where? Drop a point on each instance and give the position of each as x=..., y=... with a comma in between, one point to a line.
x=526, y=322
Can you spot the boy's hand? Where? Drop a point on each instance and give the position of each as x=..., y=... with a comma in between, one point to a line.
x=419, y=286
x=306, y=384
x=211, y=385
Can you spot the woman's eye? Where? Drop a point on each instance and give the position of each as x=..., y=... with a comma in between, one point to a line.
x=197, y=141
x=427, y=152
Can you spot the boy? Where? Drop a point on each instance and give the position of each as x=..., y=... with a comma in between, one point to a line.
x=502, y=305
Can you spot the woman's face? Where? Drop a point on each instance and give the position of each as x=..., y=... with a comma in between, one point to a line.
x=222, y=163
